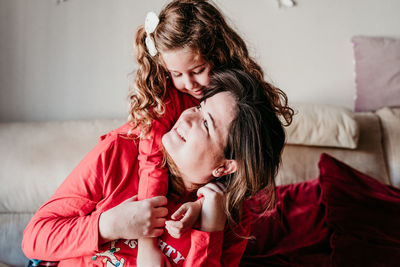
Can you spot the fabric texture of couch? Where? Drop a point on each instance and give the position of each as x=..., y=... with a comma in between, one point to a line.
x=35, y=157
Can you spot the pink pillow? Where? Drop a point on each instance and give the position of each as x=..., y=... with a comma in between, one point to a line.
x=377, y=69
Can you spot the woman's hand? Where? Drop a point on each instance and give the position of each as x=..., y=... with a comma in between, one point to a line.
x=213, y=217
x=134, y=219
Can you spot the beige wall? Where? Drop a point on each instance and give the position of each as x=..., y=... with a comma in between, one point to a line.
x=72, y=60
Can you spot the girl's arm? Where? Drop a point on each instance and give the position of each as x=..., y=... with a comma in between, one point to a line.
x=216, y=244
x=154, y=176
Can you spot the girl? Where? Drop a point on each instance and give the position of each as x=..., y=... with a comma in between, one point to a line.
x=233, y=135
x=176, y=51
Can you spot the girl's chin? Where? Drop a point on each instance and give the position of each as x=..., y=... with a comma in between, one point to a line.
x=196, y=93
x=197, y=96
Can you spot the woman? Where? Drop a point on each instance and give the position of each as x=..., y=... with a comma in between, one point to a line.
x=234, y=136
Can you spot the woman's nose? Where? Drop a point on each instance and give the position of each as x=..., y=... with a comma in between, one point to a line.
x=190, y=116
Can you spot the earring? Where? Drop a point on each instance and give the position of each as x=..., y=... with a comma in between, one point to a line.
x=219, y=170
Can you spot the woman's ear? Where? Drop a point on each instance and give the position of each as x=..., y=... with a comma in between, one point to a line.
x=227, y=167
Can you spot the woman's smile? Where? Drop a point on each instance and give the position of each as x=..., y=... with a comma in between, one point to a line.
x=179, y=132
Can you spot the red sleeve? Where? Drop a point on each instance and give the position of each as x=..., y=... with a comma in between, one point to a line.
x=66, y=225
x=153, y=176
x=205, y=249
x=219, y=248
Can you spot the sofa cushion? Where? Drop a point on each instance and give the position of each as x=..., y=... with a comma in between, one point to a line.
x=390, y=120
x=37, y=156
x=299, y=163
x=12, y=226
x=323, y=125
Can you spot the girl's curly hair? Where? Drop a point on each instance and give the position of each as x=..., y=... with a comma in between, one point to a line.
x=197, y=25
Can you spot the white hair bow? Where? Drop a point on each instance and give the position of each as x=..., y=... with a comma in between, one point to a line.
x=150, y=25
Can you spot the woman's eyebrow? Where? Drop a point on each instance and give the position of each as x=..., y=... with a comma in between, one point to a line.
x=212, y=120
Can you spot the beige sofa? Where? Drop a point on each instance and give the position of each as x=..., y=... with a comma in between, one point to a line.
x=35, y=157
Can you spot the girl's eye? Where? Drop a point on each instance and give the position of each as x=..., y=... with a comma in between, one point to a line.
x=198, y=72
x=176, y=74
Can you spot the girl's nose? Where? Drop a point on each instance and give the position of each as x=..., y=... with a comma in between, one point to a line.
x=189, y=83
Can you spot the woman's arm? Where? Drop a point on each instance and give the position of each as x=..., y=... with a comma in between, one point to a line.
x=68, y=224
x=133, y=219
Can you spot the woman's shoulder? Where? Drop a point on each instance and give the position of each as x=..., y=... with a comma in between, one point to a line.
x=119, y=136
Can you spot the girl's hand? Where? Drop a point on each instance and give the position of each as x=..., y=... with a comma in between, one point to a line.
x=134, y=219
x=183, y=218
x=213, y=217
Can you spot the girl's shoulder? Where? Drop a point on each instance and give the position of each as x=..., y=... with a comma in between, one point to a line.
x=178, y=101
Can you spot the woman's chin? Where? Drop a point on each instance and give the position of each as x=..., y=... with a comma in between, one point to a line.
x=190, y=187
x=168, y=142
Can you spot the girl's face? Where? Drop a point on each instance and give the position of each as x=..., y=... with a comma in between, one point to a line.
x=197, y=140
x=188, y=70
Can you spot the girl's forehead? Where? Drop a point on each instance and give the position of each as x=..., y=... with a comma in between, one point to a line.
x=186, y=51
x=181, y=58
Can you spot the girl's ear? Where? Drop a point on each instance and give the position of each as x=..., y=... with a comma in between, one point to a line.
x=227, y=167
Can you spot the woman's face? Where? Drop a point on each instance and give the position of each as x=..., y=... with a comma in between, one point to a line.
x=189, y=71
x=197, y=140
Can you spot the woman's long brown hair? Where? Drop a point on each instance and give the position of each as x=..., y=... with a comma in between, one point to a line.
x=255, y=140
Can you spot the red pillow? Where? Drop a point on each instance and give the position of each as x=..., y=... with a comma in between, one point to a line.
x=364, y=215
x=344, y=218
x=294, y=233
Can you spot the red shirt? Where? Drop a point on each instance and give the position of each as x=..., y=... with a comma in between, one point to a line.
x=65, y=228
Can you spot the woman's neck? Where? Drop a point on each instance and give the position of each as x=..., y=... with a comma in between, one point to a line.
x=188, y=196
